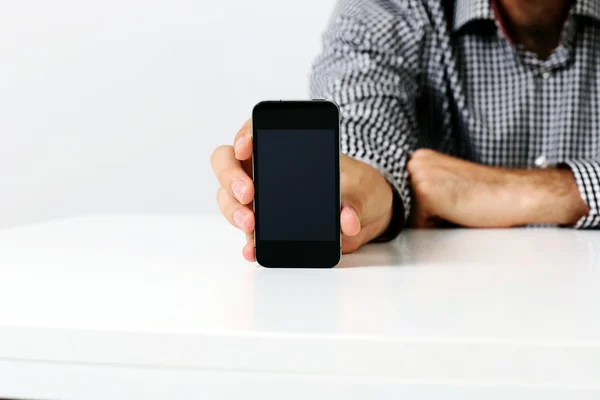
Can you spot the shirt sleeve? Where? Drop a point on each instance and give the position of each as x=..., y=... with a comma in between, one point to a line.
x=587, y=176
x=370, y=67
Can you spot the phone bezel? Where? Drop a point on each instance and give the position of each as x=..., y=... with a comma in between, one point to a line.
x=310, y=114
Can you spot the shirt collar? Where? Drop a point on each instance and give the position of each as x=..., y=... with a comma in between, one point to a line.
x=466, y=11
x=587, y=8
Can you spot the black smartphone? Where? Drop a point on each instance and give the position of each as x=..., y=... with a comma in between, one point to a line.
x=296, y=162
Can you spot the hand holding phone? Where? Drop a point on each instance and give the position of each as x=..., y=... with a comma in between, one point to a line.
x=366, y=197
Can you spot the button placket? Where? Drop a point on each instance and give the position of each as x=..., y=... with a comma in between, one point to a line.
x=541, y=161
x=546, y=74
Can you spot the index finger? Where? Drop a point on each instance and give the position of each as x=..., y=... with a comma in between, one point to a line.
x=242, y=143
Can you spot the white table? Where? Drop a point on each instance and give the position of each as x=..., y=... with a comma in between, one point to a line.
x=165, y=307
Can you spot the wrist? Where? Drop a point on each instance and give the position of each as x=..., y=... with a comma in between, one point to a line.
x=387, y=209
x=382, y=196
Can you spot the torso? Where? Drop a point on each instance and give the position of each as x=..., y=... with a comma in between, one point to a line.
x=497, y=104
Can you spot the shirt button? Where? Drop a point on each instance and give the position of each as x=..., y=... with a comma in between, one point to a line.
x=546, y=75
x=541, y=161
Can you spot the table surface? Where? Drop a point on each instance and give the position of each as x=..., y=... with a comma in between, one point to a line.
x=519, y=306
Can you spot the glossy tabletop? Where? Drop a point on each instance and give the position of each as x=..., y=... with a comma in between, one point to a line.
x=503, y=307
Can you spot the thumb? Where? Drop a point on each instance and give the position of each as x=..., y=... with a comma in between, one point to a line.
x=349, y=221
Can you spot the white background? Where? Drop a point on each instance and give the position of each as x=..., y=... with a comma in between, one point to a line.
x=116, y=105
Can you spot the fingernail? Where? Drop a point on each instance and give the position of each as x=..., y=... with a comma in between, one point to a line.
x=238, y=217
x=239, y=189
x=240, y=142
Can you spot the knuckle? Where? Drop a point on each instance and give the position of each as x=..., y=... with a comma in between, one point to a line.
x=414, y=165
x=221, y=193
x=218, y=153
x=246, y=127
x=421, y=169
x=422, y=186
x=422, y=153
x=418, y=176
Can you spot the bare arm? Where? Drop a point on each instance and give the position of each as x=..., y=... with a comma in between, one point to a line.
x=469, y=194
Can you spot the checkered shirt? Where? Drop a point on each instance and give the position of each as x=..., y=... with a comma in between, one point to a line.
x=442, y=75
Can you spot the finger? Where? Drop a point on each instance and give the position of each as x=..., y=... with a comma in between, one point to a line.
x=249, y=251
x=238, y=215
x=242, y=143
x=247, y=167
x=231, y=175
x=349, y=221
x=351, y=243
x=420, y=219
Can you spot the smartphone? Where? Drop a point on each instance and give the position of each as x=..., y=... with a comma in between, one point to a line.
x=296, y=165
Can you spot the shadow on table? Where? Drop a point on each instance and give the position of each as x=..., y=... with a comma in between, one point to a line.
x=373, y=255
x=532, y=246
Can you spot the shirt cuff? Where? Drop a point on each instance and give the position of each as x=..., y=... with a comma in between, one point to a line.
x=587, y=177
x=397, y=222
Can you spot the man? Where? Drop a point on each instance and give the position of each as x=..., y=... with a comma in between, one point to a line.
x=480, y=113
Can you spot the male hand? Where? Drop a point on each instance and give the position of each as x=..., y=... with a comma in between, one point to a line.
x=449, y=189
x=366, y=195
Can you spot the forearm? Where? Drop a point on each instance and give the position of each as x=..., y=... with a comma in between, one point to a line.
x=479, y=196
x=549, y=196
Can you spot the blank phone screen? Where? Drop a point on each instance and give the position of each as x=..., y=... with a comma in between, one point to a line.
x=296, y=183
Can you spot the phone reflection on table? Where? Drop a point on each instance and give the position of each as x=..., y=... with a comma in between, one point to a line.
x=296, y=300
